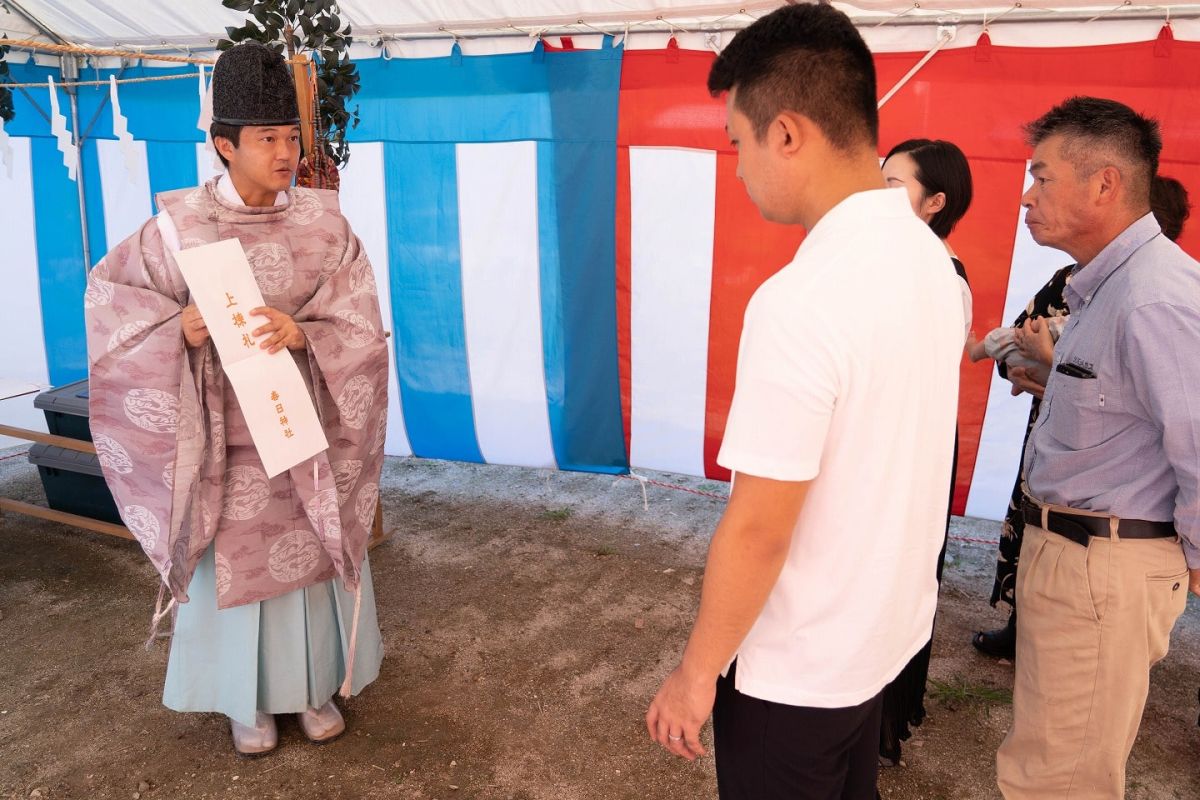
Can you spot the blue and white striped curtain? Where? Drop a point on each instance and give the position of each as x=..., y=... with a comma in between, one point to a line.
x=484, y=191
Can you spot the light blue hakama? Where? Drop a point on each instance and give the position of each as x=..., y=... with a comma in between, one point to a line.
x=278, y=656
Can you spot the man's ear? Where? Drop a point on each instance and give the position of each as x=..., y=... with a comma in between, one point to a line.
x=224, y=146
x=1108, y=184
x=792, y=131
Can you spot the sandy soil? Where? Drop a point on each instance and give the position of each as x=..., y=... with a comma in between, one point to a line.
x=529, y=616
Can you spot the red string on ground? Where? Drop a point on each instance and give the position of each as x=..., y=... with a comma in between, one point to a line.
x=13, y=455
x=724, y=498
x=662, y=485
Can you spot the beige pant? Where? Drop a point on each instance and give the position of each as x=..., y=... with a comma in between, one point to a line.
x=1093, y=621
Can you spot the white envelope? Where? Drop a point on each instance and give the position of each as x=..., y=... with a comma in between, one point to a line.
x=279, y=410
x=224, y=289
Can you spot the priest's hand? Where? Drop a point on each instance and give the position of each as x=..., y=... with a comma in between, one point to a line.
x=283, y=329
x=195, y=332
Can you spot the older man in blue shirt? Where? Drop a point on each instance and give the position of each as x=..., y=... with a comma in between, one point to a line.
x=1113, y=464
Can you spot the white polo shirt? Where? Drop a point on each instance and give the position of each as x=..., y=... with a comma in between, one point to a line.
x=847, y=377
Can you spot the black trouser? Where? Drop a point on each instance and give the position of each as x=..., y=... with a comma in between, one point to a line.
x=771, y=750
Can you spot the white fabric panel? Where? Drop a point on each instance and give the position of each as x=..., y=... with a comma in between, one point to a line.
x=672, y=202
x=127, y=202
x=22, y=346
x=207, y=164
x=999, y=458
x=364, y=204
x=502, y=313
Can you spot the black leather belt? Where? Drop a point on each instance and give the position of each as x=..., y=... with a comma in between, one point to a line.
x=1080, y=527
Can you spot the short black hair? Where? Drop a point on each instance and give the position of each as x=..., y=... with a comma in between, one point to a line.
x=941, y=167
x=231, y=132
x=1169, y=202
x=1096, y=129
x=804, y=58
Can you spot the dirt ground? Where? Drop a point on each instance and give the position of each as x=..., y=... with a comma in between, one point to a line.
x=528, y=617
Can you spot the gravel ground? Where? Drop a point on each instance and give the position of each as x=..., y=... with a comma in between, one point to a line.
x=529, y=617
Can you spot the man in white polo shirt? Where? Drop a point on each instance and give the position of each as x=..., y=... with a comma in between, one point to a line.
x=820, y=583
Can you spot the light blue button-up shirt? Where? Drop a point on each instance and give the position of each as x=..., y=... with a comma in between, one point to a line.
x=1126, y=441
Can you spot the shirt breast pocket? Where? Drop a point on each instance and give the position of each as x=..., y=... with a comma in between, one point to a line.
x=1077, y=412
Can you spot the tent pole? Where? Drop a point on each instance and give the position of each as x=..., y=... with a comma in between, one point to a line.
x=13, y=5
x=70, y=74
x=69, y=70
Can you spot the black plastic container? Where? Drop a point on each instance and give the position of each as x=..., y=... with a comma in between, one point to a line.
x=73, y=482
x=66, y=410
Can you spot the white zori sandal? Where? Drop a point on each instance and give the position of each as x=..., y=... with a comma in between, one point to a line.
x=322, y=724
x=257, y=740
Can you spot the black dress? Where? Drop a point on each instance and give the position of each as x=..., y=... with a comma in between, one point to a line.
x=904, y=698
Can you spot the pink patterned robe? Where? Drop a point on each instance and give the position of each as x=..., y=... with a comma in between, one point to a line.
x=170, y=435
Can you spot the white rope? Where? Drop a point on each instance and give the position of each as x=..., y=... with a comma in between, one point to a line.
x=642, y=480
x=942, y=42
x=159, y=614
x=347, y=687
x=1113, y=10
x=903, y=13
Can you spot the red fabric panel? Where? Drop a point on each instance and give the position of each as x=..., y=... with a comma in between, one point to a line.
x=984, y=241
x=665, y=102
x=981, y=105
x=624, y=286
x=980, y=101
x=978, y=98
x=746, y=251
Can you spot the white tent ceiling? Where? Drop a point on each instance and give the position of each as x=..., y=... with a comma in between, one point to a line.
x=483, y=26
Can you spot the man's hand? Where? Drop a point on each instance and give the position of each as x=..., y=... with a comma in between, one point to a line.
x=195, y=332
x=1034, y=341
x=1194, y=581
x=1024, y=380
x=745, y=557
x=679, y=711
x=285, y=332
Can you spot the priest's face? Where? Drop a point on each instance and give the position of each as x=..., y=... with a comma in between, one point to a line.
x=264, y=162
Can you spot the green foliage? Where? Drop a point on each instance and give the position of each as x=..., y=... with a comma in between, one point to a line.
x=312, y=26
x=958, y=691
x=6, y=100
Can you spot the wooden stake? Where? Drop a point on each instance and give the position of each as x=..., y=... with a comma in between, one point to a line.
x=66, y=519
x=48, y=438
x=301, y=65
